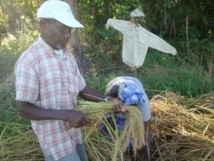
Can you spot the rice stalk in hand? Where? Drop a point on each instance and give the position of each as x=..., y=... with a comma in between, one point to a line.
x=134, y=128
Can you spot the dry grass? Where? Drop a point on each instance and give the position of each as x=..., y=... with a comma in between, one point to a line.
x=181, y=133
x=182, y=128
x=18, y=143
x=133, y=130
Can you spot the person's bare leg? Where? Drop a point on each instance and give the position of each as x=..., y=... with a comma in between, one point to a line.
x=147, y=148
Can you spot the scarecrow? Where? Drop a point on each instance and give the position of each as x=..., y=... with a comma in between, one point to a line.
x=137, y=40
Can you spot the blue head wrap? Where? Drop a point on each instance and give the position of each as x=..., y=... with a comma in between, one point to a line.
x=130, y=94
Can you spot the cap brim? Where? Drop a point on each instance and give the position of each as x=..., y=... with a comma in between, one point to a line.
x=71, y=22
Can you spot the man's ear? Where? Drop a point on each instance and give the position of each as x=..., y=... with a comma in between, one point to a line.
x=43, y=23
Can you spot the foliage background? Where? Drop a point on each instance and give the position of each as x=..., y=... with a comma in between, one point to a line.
x=185, y=24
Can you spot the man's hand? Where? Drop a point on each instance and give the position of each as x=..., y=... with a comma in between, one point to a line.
x=76, y=119
x=72, y=118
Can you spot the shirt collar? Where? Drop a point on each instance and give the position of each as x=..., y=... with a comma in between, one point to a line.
x=49, y=49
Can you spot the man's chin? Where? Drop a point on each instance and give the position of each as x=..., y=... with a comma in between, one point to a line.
x=60, y=46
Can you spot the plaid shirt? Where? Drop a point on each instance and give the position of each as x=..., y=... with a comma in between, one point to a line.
x=51, y=82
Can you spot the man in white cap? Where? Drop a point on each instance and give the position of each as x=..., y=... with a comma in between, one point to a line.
x=48, y=83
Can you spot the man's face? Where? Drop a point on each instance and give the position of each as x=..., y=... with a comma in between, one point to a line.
x=55, y=33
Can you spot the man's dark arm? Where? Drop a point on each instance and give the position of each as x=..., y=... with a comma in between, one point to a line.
x=72, y=117
x=91, y=95
x=33, y=112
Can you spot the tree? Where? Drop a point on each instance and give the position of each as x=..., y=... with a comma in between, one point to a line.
x=74, y=40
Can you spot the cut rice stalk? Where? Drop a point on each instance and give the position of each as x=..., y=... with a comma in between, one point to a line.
x=134, y=127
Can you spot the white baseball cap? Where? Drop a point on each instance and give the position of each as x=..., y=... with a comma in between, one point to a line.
x=137, y=13
x=60, y=11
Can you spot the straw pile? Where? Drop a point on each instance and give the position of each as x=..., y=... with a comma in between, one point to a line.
x=182, y=128
x=182, y=133
x=18, y=143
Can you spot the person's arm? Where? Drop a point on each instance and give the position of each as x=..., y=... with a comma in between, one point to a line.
x=73, y=118
x=113, y=91
x=91, y=95
x=147, y=148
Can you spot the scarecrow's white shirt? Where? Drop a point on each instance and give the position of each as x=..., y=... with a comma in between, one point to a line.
x=136, y=41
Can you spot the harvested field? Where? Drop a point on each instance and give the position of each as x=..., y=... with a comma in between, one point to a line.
x=182, y=129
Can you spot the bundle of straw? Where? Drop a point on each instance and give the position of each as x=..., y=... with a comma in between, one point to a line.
x=181, y=133
x=134, y=127
x=134, y=131
x=18, y=143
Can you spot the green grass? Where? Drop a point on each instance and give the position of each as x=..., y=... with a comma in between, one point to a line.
x=160, y=72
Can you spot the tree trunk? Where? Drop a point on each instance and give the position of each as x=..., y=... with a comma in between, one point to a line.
x=74, y=40
x=82, y=61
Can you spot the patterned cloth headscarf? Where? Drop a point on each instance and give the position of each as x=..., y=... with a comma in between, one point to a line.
x=130, y=94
